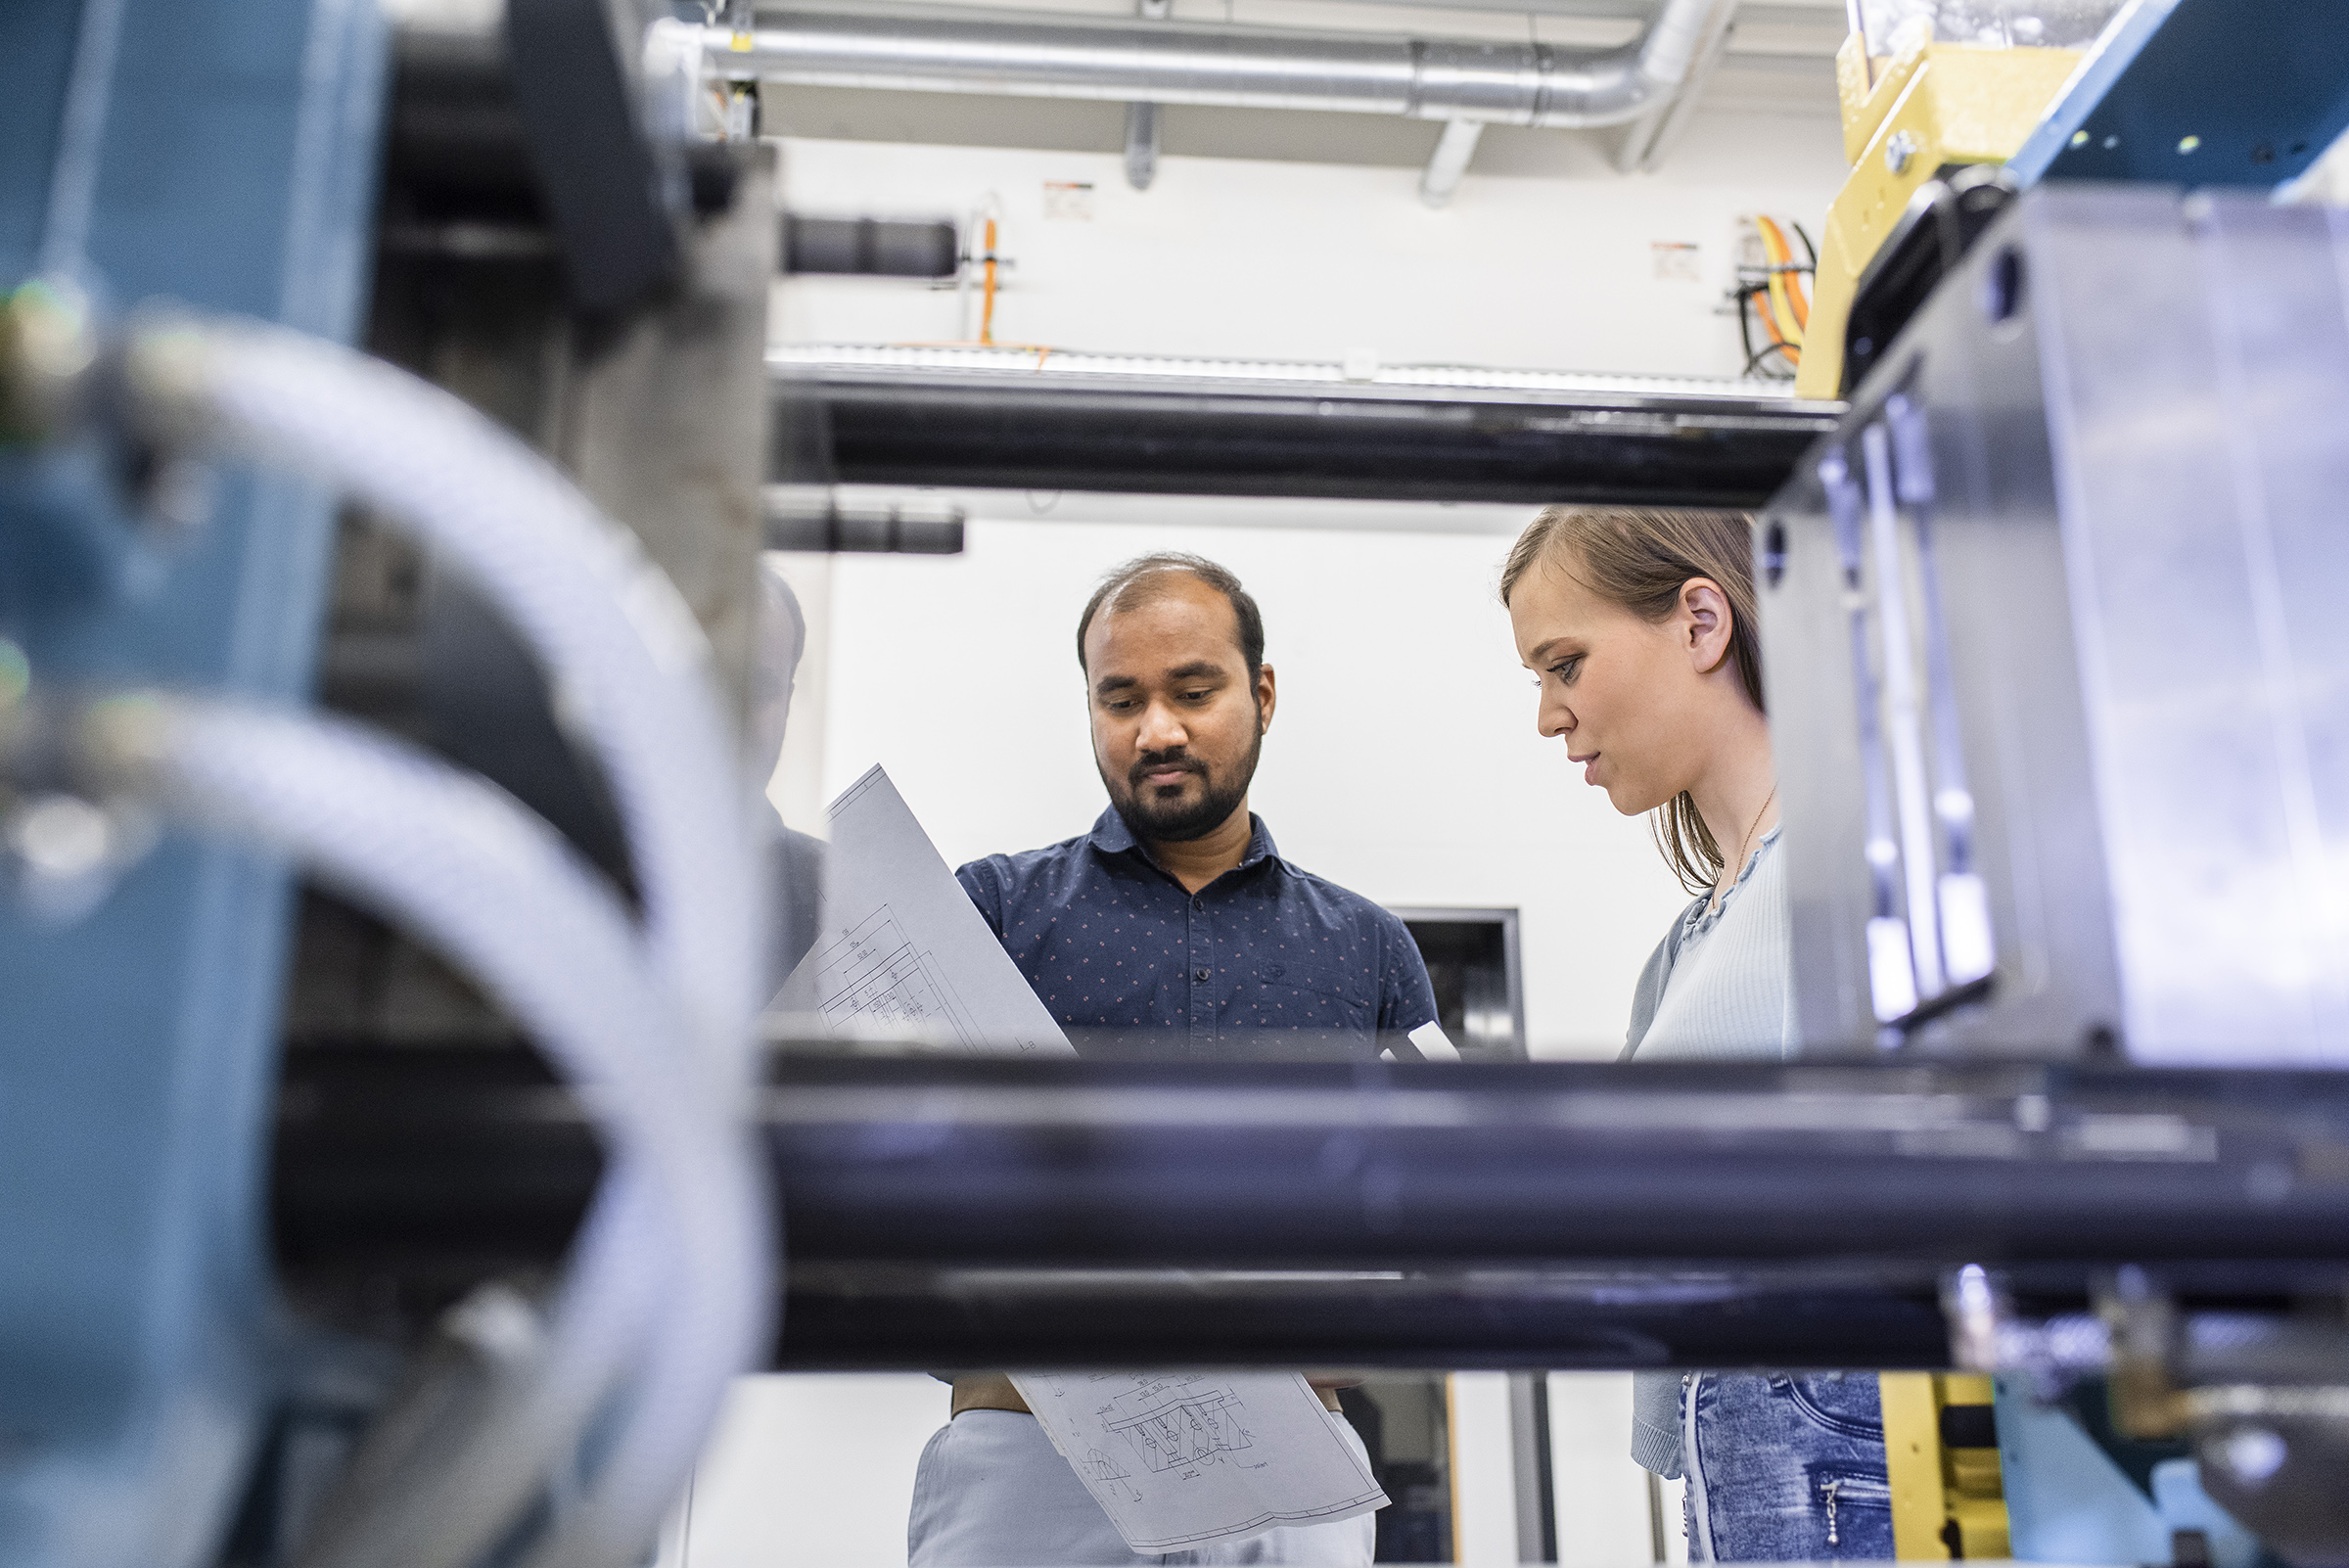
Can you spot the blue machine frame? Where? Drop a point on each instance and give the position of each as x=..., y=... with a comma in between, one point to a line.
x=224, y=156
x=2199, y=92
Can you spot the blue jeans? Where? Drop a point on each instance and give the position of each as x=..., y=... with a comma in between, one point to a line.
x=1785, y=1468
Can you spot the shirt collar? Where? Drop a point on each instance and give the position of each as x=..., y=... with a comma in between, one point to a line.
x=1111, y=835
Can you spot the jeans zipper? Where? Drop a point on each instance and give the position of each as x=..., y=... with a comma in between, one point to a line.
x=1692, y=1465
x=1828, y=1486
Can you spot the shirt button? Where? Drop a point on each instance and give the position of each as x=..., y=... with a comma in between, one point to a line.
x=1198, y=904
x=1200, y=975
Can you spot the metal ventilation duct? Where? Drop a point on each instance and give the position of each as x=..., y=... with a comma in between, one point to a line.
x=1240, y=68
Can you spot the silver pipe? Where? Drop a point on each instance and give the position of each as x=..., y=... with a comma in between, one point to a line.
x=1021, y=55
x=1141, y=143
x=1450, y=164
x=1652, y=137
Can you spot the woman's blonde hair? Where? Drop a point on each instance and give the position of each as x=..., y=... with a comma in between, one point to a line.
x=1637, y=558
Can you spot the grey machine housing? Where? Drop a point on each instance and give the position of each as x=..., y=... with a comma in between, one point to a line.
x=2059, y=697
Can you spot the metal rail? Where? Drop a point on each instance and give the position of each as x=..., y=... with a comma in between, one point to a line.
x=935, y=1212
x=861, y=423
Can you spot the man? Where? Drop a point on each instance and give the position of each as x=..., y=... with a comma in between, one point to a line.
x=1173, y=926
x=795, y=860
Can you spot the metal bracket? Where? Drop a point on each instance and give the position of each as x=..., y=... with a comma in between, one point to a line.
x=1141, y=118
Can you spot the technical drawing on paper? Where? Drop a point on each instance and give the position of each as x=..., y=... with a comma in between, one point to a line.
x=905, y=954
x=1172, y=1423
x=1220, y=1455
x=874, y=980
x=1100, y=1470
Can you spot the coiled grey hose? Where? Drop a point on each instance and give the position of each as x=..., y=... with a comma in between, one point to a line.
x=625, y=654
x=621, y=646
x=501, y=895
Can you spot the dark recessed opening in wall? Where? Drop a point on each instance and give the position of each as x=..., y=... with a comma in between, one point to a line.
x=1471, y=957
x=1405, y=1419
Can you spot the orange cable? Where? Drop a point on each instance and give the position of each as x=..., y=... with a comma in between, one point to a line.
x=1774, y=245
x=987, y=308
x=1785, y=261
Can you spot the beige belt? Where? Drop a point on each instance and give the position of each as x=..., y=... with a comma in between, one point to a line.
x=994, y=1390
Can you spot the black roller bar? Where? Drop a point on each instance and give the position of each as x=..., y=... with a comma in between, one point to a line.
x=1206, y=437
x=816, y=522
x=1023, y=1213
x=843, y=1318
x=870, y=247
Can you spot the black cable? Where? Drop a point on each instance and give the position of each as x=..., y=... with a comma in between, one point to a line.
x=1769, y=313
x=1809, y=249
x=1754, y=362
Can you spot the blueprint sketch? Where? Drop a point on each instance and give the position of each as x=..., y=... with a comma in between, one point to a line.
x=874, y=977
x=1179, y=1460
x=899, y=952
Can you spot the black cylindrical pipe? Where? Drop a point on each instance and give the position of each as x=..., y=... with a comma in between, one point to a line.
x=1019, y=1212
x=887, y=247
x=1171, y=435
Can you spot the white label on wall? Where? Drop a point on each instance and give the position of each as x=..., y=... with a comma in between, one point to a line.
x=1069, y=200
x=1676, y=260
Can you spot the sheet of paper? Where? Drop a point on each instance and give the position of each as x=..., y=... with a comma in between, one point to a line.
x=1433, y=1043
x=1179, y=1460
x=901, y=953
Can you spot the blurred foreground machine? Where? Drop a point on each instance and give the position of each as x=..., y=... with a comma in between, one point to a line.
x=2060, y=718
x=205, y=495
x=2239, y=93
x=2080, y=1121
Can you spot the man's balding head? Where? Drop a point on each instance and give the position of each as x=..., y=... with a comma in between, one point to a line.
x=1148, y=577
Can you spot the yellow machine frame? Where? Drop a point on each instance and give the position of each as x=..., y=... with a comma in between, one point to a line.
x=1947, y=1501
x=1929, y=106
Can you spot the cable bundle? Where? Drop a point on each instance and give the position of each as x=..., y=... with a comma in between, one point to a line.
x=1775, y=293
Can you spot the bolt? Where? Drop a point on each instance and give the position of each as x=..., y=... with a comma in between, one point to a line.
x=61, y=837
x=46, y=351
x=16, y=674
x=2252, y=1454
x=1899, y=152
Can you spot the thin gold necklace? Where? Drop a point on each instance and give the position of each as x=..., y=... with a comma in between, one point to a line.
x=1738, y=864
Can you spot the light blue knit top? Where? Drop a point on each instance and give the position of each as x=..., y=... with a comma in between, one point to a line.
x=1719, y=986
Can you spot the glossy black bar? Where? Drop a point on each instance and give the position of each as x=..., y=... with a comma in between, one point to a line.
x=1204, y=436
x=937, y=1211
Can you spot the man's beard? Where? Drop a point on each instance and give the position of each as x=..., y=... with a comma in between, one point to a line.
x=1175, y=822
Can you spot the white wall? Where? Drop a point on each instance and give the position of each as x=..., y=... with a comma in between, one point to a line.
x=813, y=1469
x=1601, y=1497
x=1271, y=261
x=818, y=1469
x=1401, y=763
x=1484, y=1472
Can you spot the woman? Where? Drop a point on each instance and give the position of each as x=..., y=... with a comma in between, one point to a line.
x=1640, y=628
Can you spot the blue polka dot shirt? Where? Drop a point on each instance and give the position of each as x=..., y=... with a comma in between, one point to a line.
x=1264, y=962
